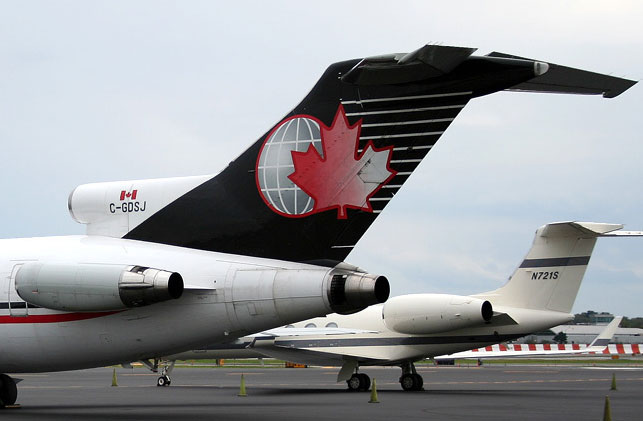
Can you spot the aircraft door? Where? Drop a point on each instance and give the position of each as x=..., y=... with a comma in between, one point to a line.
x=17, y=306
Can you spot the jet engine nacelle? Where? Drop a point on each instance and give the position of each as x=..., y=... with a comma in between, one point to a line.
x=266, y=297
x=354, y=291
x=85, y=287
x=424, y=314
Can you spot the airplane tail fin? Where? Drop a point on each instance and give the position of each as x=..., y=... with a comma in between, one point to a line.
x=551, y=274
x=605, y=337
x=312, y=185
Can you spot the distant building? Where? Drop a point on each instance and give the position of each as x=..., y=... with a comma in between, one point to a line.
x=600, y=318
x=592, y=317
x=584, y=334
x=545, y=337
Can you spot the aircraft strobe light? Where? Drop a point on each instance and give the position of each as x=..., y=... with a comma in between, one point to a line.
x=540, y=68
x=86, y=287
x=424, y=314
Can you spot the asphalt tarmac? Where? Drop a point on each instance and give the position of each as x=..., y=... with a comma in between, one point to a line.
x=451, y=393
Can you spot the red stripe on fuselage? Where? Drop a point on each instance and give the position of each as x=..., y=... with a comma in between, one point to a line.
x=54, y=318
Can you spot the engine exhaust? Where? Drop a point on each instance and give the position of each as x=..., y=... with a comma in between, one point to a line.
x=350, y=293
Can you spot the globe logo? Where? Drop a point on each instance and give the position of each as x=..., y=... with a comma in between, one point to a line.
x=275, y=165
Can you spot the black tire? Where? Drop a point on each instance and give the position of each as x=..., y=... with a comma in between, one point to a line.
x=8, y=390
x=365, y=382
x=419, y=382
x=408, y=382
x=354, y=383
x=161, y=381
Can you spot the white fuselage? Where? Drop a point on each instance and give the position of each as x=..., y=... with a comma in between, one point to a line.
x=225, y=296
x=380, y=345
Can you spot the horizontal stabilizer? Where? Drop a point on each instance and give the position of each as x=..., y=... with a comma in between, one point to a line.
x=578, y=229
x=586, y=230
x=567, y=80
x=426, y=62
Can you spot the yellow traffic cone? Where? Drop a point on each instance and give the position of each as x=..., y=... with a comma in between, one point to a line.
x=114, y=381
x=374, y=393
x=242, y=389
x=607, y=413
x=613, y=382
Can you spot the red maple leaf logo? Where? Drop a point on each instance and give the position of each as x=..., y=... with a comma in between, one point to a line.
x=342, y=178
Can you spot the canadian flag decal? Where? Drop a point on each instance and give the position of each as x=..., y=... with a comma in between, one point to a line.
x=318, y=168
x=128, y=195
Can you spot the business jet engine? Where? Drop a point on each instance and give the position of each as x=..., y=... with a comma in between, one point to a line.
x=422, y=314
x=99, y=287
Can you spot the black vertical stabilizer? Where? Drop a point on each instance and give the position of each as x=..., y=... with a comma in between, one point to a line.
x=312, y=185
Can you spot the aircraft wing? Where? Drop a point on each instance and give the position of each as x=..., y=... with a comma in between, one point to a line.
x=305, y=351
x=604, y=338
x=308, y=331
x=540, y=350
x=308, y=356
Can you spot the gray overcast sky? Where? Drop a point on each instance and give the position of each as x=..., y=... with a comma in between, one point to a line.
x=101, y=91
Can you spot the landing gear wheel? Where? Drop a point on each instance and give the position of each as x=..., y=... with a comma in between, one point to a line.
x=163, y=381
x=8, y=390
x=411, y=382
x=365, y=382
x=407, y=382
x=354, y=382
x=419, y=382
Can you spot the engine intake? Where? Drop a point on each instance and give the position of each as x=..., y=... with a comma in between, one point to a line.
x=86, y=287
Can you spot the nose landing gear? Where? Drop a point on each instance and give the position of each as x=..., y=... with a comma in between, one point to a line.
x=165, y=379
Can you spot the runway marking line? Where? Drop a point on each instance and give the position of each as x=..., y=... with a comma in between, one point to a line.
x=615, y=368
x=245, y=374
x=140, y=374
x=536, y=381
x=31, y=375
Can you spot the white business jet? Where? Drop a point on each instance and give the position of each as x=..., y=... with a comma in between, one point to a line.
x=409, y=328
